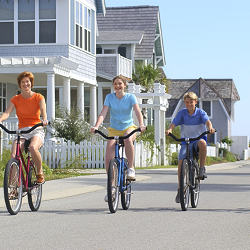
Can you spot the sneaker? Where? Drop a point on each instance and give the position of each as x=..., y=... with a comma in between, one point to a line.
x=202, y=173
x=113, y=195
x=177, y=198
x=131, y=174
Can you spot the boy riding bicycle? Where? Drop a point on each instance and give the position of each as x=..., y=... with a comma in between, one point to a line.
x=193, y=121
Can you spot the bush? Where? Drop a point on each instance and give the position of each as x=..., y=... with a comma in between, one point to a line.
x=70, y=126
x=174, y=158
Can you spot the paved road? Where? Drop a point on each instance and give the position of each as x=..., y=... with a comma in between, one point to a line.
x=73, y=215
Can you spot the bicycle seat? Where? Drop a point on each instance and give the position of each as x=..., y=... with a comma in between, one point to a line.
x=26, y=145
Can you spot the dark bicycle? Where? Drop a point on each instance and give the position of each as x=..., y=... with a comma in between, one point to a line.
x=189, y=174
x=20, y=177
x=117, y=174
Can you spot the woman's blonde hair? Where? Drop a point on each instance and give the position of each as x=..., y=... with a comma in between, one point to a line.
x=190, y=95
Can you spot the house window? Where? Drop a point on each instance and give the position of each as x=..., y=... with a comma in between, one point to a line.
x=47, y=21
x=26, y=21
x=22, y=24
x=7, y=22
x=84, y=27
x=122, y=51
x=206, y=106
x=99, y=50
x=109, y=51
x=3, y=98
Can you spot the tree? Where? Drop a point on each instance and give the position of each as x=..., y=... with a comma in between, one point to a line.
x=147, y=75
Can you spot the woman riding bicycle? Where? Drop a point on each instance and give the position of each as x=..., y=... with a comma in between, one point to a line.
x=194, y=122
x=29, y=106
x=121, y=107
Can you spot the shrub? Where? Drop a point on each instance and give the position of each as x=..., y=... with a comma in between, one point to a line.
x=174, y=158
x=70, y=126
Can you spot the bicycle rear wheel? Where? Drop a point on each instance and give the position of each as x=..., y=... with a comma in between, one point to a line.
x=13, y=187
x=35, y=190
x=184, y=185
x=126, y=193
x=112, y=186
x=195, y=190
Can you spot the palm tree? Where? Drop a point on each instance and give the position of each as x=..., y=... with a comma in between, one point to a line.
x=146, y=76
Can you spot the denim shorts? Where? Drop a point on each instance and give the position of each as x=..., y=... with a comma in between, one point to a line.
x=182, y=153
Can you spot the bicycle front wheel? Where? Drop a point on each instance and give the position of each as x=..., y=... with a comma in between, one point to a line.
x=13, y=187
x=126, y=189
x=35, y=190
x=184, y=185
x=112, y=186
x=195, y=190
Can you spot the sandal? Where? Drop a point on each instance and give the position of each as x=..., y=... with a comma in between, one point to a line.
x=40, y=179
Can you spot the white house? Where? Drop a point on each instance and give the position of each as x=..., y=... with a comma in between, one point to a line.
x=56, y=40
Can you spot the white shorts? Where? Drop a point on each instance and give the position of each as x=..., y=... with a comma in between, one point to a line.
x=36, y=132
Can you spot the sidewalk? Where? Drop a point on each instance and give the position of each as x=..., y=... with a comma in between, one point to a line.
x=57, y=189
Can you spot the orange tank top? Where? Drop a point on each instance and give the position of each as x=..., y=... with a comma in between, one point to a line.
x=27, y=109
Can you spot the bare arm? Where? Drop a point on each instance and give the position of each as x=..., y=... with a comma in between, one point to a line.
x=210, y=126
x=139, y=117
x=100, y=119
x=43, y=112
x=170, y=129
x=7, y=112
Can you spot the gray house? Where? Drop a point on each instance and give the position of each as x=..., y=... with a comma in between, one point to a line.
x=126, y=36
x=216, y=96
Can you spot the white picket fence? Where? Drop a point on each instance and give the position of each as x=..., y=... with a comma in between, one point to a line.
x=59, y=154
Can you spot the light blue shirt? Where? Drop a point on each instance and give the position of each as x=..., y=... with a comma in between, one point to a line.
x=191, y=125
x=121, y=110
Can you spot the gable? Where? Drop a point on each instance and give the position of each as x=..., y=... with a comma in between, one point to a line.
x=206, y=89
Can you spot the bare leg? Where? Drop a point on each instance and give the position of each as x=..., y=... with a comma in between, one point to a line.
x=129, y=149
x=34, y=147
x=110, y=153
x=202, y=152
x=13, y=149
x=179, y=172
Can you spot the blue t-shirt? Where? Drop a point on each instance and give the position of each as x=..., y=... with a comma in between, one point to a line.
x=121, y=110
x=191, y=125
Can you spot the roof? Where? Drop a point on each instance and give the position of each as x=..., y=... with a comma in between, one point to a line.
x=114, y=37
x=206, y=89
x=132, y=18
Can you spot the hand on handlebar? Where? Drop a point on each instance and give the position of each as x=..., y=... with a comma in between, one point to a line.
x=92, y=130
x=142, y=128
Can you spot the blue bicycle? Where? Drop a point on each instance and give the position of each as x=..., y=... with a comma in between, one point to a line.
x=117, y=182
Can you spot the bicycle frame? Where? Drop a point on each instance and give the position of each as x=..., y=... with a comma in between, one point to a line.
x=121, y=166
x=24, y=166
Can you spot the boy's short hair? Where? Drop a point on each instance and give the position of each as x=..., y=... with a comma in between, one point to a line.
x=190, y=95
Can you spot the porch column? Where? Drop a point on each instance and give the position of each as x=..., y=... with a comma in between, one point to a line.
x=66, y=93
x=100, y=98
x=80, y=98
x=61, y=97
x=92, y=105
x=51, y=96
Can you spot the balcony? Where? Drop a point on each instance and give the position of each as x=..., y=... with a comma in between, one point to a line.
x=111, y=65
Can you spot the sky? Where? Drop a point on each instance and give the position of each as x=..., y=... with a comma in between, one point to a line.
x=208, y=39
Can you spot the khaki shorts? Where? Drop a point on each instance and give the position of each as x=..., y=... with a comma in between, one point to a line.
x=36, y=132
x=115, y=132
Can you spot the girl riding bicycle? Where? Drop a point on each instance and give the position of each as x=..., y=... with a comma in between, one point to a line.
x=121, y=106
x=29, y=106
x=194, y=122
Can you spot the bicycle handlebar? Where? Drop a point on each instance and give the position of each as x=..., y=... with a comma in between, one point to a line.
x=21, y=132
x=189, y=139
x=118, y=137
